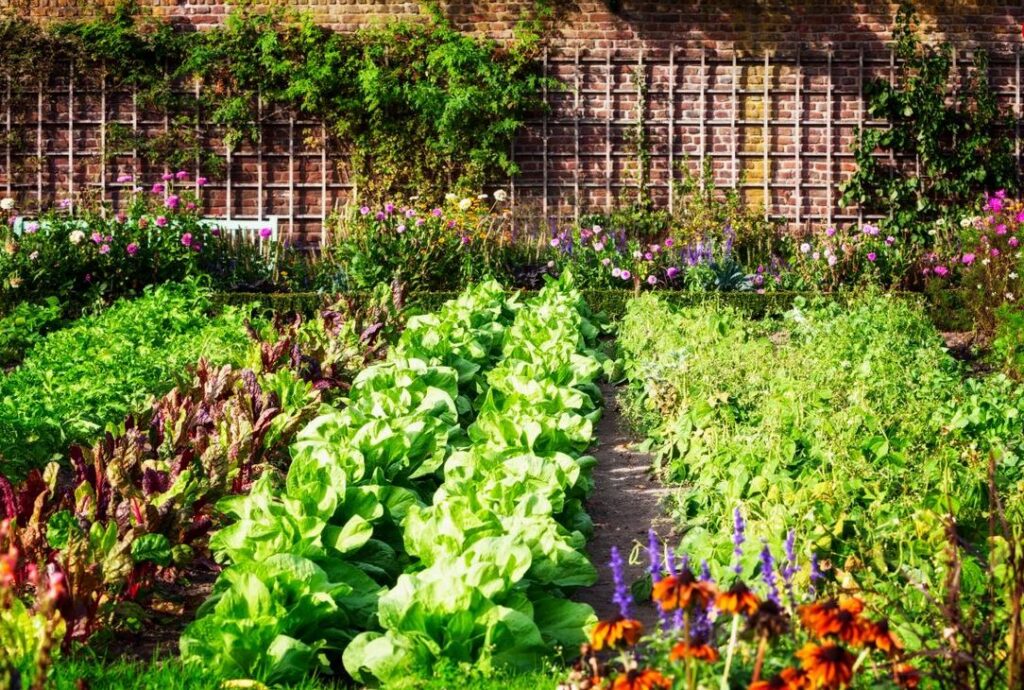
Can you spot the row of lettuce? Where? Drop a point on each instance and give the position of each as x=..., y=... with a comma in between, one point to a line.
x=435, y=517
x=853, y=426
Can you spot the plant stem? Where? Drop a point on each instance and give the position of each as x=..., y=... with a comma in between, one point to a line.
x=860, y=660
x=724, y=685
x=762, y=647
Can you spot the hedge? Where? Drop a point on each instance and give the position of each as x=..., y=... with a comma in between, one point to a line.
x=945, y=308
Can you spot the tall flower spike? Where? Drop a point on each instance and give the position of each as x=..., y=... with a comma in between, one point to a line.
x=790, y=568
x=768, y=573
x=622, y=596
x=739, y=526
x=816, y=574
x=654, y=553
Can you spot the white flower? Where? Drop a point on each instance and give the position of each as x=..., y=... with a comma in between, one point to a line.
x=465, y=204
x=1013, y=275
x=816, y=256
x=450, y=197
x=966, y=223
x=481, y=197
x=7, y=203
x=985, y=262
x=805, y=247
x=76, y=237
x=831, y=259
x=500, y=196
x=1009, y=296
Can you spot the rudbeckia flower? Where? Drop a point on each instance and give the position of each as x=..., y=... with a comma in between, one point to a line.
x=906, y=676
x=841, y=619
x=788, y=679
x=827, y=665
x=642, y=679
x=700, y=652
x=879, y=636
x=613, y=633
x=739, y=599
x=682, y=591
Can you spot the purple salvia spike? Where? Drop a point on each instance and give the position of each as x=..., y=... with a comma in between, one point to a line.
x=768, y=573
x=622, y=596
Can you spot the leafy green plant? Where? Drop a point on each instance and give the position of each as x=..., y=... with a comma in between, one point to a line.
x=954, y=132
x=24, y=326
x=80, y=379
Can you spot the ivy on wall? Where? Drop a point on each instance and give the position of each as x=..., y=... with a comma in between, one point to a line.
x=420, y=107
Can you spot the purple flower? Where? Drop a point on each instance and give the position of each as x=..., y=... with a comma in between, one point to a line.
x=400, y=229
x=622, y=596
x=132, y=249
x=31, y=228
x=215, y=231
x=654, y=555
x=968, y=259
x=436, y=213
x=167, y=177
x=872, y=256
x=157, y=189
x=186, y=239
x=555, y=242
x=201, y=181
x=265, y=233
x=66, y=203
x=124, y=178
x=870, y=230
x=181, y=175
x=889, y=240
x=768, y=573
x=830, y=232
x=364, y=211
x=389, y=208
x=626, y=275
x=420, y=222
x=790, y=568
x=465, y=240
x=672, y=272
x=995, y=204
x=172, y=202
x=96, y=238
x=669, y=243
x=648, y=256
x=380, y=215
x=738, y=528
x=651, y=280
x=1001, y=229
x=1013, y=241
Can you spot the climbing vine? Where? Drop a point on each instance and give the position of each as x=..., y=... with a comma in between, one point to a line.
x=948, y=141
x=420, y=107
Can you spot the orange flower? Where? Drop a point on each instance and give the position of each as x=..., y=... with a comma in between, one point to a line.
x=646, y=679
x=610, y=634
x=789, y=679
x=682, y=591
x=841, y=619
x=700, y=652
x=827, y=666
x=739, y=599
x=879, y=636
x=906, y=676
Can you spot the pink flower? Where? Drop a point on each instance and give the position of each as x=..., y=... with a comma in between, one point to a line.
x=265, y=233
x=157, y=189
x=132, y=249
x=190, y=206
x=31, y=228
x=669, y=243
x=143, y=222
x=872, y=256
x=172, y=202
x=420, y=222
x=1013, y=242
x=830, y=232
x=1001, y=229
x=400, y=229
x=364, y=211
x=161, y=221
x=465, y=240
x=436, y=213
x=941, y=271
x=995, y=203
x=598, y=246
x=889, y=240
x=626, y=275
x=967, y=259
x=197, y=247
x=1020, y=217
x=648, y=256
x=124, y=178
x=555, y=242
x=672, y=272
x=651, y=280
x=65, y=203
x=181, y=175
x=380, y=215
x=201, y=181
x=410, y=213
x=104, y=249
x=994, y=252
x=869, y=229
x=167, y=177
x=186, y=239
x=121, y=217
x=389, y=208
x=96, y=238
x=605, y=261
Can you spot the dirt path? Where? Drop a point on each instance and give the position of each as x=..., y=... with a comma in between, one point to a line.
x=625, y=504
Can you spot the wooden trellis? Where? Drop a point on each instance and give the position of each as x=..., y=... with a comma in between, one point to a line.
x=577, y=156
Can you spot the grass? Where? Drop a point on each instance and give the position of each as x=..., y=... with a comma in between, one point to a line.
x=86, y=671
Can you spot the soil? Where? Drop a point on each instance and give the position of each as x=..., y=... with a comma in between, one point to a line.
x=626, y=503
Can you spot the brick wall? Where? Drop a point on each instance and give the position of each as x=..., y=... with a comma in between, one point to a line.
x=771, y=90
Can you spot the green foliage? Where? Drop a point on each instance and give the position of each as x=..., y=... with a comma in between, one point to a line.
x=954, y=132
x=422, y=107
x=24, y=326
x=92, y=373
x=838, y=425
